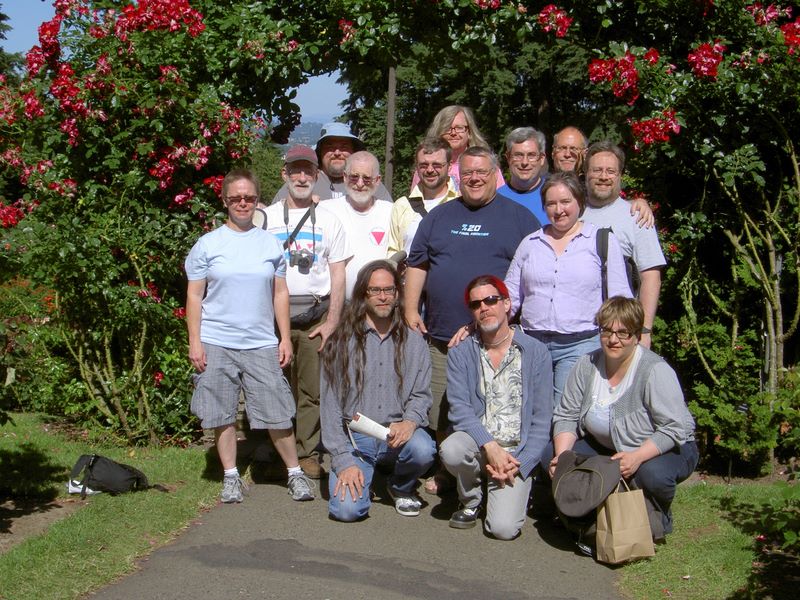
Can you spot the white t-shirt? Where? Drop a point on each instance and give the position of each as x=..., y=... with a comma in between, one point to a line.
x=238, y=267
x=640, y=243
x=325, y=239
x=367, y=233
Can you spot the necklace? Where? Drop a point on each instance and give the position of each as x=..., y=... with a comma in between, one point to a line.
x=496, y=344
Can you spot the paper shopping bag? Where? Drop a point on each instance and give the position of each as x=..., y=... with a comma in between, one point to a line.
x=623, y=529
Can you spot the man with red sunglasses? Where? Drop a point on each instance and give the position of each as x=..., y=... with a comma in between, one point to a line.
x=499, y=387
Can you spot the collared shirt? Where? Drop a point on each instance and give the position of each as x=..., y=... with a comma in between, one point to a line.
x=561, y=294
x=502, y=388
x=405, y=219
x=379, y=399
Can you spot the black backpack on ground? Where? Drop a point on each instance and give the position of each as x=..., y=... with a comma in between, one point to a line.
x=105, y=475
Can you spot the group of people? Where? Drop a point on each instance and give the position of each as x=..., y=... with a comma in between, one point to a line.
x=488, y=324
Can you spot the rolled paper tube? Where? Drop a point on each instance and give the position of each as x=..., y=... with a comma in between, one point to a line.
x=367, y=426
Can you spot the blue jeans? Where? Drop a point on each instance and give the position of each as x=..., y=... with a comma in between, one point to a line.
x=565, y=350
x=410, y=462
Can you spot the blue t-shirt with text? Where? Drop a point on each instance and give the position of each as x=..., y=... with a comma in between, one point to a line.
x=458, y=243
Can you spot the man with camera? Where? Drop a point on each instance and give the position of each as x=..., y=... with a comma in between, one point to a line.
x=316, y=252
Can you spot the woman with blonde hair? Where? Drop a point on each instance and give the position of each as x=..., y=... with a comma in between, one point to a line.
x=456, y=125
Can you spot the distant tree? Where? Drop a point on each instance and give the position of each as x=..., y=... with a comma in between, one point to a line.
x=8, y=62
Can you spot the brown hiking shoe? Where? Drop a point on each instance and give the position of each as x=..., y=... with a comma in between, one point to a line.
x=311, y=467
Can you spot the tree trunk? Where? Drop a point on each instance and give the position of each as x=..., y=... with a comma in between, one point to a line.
x=388, y=167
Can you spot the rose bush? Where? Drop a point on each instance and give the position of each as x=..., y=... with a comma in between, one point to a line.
x=114, y=141
x=112, y=146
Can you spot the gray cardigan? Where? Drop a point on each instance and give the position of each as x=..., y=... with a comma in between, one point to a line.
x=652, y=408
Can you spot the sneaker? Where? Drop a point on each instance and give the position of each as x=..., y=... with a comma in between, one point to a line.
x=301, y=488
x=465, y=518
x=408, y=506
x=233, y=489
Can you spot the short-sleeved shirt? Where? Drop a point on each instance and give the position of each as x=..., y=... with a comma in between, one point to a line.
x=239, y=268
x=639, y=243
x=367, y=234
x=532, y=199
x=324, y=237
x=457, y=243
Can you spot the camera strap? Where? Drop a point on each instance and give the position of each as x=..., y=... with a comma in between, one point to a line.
x=310, y=212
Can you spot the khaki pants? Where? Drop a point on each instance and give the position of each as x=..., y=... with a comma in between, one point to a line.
x=437, y=416
x=303, y=376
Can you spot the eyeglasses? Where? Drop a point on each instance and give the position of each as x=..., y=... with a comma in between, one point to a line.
x=530, y=156
x=389, y=290
x=479, y=173
x=598, y=171
x=238, y=199
x=353, y=179
x=294, y=171
x=457, y=129
x=435, y=166
x=623, y=335
x=570, y=149
x=488, y=301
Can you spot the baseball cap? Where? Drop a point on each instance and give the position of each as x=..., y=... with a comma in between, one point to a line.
x=301, y=152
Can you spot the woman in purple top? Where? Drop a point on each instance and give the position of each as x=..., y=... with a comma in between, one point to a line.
x=555, y=279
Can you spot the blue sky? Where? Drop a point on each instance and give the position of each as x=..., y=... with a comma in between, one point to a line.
x=319, y=99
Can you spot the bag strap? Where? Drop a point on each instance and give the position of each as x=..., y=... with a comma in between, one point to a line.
x=623, y=482
x=263, y=213
x=602, y=252
x=310, y=212
x=418, y=206
x=80, y=465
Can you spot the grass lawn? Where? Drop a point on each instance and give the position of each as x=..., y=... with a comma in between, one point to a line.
x=100, y=541
x=711, y=554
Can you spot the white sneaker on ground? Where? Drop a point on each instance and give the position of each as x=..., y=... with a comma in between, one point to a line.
x=301, y=488
x=233, y=489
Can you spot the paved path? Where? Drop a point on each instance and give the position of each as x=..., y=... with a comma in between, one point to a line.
x=271, y=547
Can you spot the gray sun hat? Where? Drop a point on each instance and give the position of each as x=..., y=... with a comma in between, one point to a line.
x=581, y=483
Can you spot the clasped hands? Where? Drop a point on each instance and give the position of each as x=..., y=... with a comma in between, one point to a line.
x=500, y=464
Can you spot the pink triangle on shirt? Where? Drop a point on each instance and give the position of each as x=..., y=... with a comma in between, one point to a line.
x=378, y=236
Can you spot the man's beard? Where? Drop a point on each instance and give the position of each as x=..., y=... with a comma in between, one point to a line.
x=489, y=328
x=360, y=198
x=301, y=193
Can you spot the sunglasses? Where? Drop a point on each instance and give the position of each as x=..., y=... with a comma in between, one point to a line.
x=488, y=301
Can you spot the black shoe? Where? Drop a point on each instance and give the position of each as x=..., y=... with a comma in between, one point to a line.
x=465, y=518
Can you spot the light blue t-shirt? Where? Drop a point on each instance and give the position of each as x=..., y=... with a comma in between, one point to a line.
x=239, y=268
x=532, y=200
x=636, y=242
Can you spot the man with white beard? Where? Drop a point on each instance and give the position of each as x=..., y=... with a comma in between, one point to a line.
x=365, y=218
x=316, y=251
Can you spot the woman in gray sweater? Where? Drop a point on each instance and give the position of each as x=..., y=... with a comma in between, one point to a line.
x=625, y=401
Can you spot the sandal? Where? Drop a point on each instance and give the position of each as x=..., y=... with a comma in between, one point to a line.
x=438, y=483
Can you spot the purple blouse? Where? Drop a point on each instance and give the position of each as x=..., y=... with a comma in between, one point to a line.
x=561, y=294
